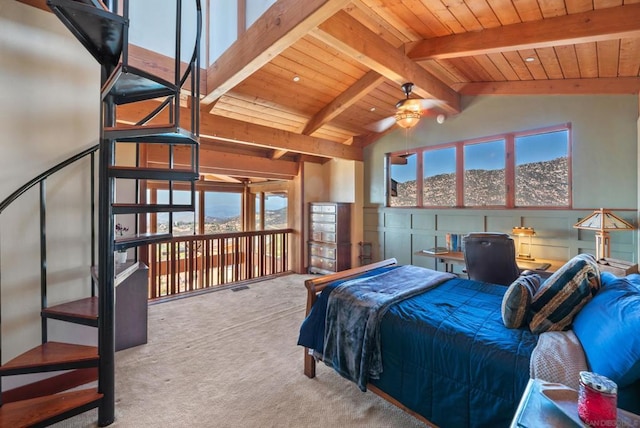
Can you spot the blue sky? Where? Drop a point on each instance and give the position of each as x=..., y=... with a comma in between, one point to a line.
x=487, y=155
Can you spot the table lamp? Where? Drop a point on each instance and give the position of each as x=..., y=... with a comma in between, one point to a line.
x=521, y=232
x=602, y=221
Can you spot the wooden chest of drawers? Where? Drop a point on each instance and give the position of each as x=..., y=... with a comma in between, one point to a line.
x=329, y=237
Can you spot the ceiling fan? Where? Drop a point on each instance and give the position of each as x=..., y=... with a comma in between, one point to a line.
x=409, y=111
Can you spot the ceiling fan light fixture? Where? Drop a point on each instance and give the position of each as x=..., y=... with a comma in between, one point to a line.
x=407, y=119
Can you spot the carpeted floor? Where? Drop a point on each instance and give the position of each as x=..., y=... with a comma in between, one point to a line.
x=230, y=359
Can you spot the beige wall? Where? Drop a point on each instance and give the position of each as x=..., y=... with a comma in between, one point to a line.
x=337, y=181
x=42, y=124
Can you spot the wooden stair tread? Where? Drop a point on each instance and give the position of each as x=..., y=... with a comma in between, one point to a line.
x=84, y=308
x=47, y=409
x=51, y=355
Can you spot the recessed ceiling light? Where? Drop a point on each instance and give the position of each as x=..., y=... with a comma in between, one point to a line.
x=372, y=109
x=296, y=78
x=529, y=59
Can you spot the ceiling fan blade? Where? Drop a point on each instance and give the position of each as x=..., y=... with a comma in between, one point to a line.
x=418, y=104
x=382, y=124
x=429, y=103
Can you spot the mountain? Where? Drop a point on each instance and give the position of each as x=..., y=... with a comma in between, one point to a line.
x=546, y=184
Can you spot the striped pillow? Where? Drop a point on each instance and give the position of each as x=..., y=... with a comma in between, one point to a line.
x=565, y=292
x=517, y=300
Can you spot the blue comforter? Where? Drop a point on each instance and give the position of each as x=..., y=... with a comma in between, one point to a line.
x=355, y=308
x=446, y=354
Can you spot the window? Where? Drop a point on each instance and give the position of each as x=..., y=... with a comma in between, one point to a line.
x=222, y=212
x=275, y=210
x=542, y=169
x=403, y=180
x=219, y=208
x=184, y=223
x=439, y=177
x=484, y=174
x=518, y=169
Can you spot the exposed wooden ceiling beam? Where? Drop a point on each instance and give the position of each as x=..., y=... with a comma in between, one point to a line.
x=343, y=101
x=277, y=154
x=216, y=162
x=40, y=4
x=284, y=23
x=618, y=85
x=350, y=37
x=219, y=177
x=237, y=131
x=596, y=25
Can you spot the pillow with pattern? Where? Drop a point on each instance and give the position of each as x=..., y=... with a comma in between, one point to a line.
x=517, y=300
x=564, y=293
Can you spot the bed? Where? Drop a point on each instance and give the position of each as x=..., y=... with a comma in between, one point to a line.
x=444, y=352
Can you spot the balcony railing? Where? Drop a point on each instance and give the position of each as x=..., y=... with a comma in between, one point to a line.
x=198, y=262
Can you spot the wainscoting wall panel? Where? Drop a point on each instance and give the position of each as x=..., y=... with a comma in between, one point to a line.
x=402, y=232
x=400, y=219
x=423, y=222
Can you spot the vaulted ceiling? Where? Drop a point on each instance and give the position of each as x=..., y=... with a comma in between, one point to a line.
x=308, y=78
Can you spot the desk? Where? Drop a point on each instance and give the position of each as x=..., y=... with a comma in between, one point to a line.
x=455, y=257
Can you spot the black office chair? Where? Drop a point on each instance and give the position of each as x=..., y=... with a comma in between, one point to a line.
x=490, y=257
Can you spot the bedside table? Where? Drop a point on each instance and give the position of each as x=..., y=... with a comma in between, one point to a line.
x=535, y=410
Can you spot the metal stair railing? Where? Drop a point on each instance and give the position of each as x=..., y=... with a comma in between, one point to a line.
x=106, y=318
x=41, y=181
x=82, y=17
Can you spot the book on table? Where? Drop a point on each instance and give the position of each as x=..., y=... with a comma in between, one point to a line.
x=436, y=250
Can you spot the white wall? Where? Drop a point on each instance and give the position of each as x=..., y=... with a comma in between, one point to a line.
x=152, y=26
x=49, y=110
x=223, y=22
x=255, y=8
x=223, y=27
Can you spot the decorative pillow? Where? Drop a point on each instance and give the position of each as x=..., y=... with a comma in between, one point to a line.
x=608, y=328
x=517, y=299
x=564, y=293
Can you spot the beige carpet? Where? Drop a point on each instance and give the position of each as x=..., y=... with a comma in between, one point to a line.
x=230, y=359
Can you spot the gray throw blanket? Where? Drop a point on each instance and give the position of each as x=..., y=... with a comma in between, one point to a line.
x=355, y=309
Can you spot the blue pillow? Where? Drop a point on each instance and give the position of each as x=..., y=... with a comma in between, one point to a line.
x=608, y=328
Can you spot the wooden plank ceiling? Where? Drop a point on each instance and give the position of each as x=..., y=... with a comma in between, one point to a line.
x=308, y=78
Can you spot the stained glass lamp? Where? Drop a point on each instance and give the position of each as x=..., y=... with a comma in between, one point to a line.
x=602, y=221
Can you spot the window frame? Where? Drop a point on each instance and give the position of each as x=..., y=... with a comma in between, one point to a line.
x=510, y=169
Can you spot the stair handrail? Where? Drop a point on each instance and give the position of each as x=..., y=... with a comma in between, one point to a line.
x=40, y=179
x=15, y=195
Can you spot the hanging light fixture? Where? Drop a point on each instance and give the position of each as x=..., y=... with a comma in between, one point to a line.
x=407, y=118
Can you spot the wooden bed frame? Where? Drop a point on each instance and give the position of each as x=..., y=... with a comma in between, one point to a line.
x=314, y=287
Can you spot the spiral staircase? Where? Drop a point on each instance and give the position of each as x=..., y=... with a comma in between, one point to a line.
x=103, y=31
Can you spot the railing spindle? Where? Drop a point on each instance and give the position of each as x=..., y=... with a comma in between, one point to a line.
x=196, y=262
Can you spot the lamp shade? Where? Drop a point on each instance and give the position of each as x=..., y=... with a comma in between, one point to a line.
x=602, y=220
x=407, y=118
x=523, y=231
